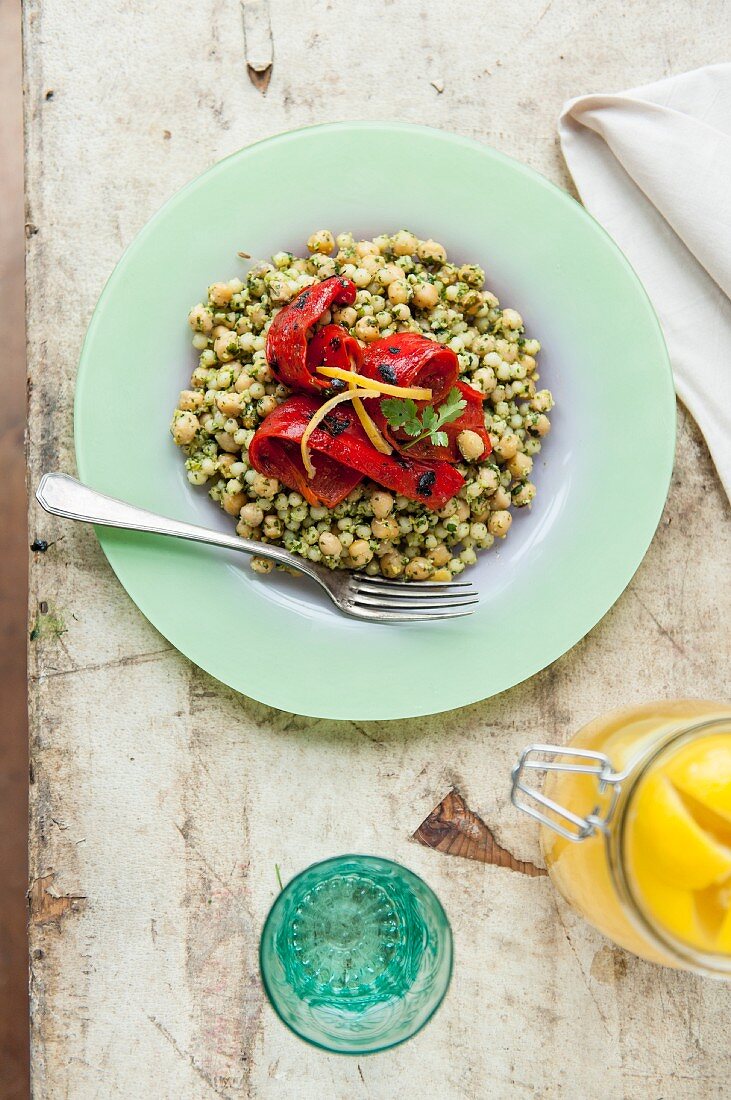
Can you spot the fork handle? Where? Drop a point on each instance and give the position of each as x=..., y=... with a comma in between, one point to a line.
x=64, y=496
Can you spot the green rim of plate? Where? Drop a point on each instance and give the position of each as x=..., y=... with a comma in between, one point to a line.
x=600, y=497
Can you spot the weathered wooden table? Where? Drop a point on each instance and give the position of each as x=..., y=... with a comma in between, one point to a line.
x=161, y=800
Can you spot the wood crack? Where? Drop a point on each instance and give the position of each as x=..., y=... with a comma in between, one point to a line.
x=210, y=1081
x=121, y=662
x=454, y=829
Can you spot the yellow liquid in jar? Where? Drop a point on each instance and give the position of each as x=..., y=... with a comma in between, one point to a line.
x=677, y=832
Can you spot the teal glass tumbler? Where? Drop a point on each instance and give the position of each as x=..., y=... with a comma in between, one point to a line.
x=356, y=954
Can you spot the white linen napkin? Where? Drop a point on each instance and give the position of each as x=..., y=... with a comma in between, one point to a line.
x=653, y=165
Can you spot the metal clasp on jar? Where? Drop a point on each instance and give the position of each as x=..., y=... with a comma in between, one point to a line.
x=560, y=818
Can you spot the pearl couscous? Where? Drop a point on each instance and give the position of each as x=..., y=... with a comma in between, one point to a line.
x=404, y=285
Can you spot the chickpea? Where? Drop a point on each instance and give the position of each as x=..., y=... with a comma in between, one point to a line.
x=281, y=290
x=322, y=241
x=330, y=544
x=520, y=466
x=512, y=319
x=478, y=532
x=360, y=552
x=462, y=511
x=472, y=275
x=419, y=569
x=524, y=494
x=225, y=463
x=391, y=564
x=228, y=403
x=266, y=405
x=220, y=294
x=507, y=446
x=190, y=400
x=404, y=243
x=542, y=425
x=542, y=402
x=439, y=556
x=441, y=575
x=232, y=503
x=488, y=478
x=431, y=252
x=388, y=274
x=243, y=383
x=185, y=425
x=500, y=500
x=381, y=503
x=361, y=277
x=227, y=442
x=499, y=523
x=199, y=378
x=366, y=248
x=226, y=347
x=262, y=565
x=386, y=528
x=272, y=527
x=367, y=329
x=266, y=487
x=399, y=292
x=252, y=514
x=470, y=445
x=200, y=319
x=346, y=317
x=426, y=295
x=485, y=380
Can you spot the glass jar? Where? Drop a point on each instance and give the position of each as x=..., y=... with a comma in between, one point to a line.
x=635, y=819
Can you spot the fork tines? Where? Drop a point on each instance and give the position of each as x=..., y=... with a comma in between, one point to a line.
x=406, y=602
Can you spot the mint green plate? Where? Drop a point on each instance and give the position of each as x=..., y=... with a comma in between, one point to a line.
x=602, y=476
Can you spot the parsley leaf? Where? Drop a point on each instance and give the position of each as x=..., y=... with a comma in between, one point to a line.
x=405, y=414
x=402, y=414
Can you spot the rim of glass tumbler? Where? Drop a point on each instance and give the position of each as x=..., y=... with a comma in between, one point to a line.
x=270, y=915
x=707, y=963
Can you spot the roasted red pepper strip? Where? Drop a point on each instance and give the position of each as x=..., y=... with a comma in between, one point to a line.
x=472, y=419
x=333, y=346
x=342, y=453
x=275, y=452
x=408, y=359
x=286, y=349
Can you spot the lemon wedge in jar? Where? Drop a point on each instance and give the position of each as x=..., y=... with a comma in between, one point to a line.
x=723, y=940
x=682, y=853
x=671, y=906
x=704, y=773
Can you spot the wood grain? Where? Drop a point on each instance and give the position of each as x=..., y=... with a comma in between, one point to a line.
x=165, y=798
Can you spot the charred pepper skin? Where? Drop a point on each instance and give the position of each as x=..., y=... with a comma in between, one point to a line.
x=408, y=359
x=342, y=455
x=286, y=346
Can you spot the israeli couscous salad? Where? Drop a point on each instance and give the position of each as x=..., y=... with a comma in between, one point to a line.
x=368, y=405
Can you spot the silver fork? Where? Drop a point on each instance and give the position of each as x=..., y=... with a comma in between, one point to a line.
x=375, y=599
